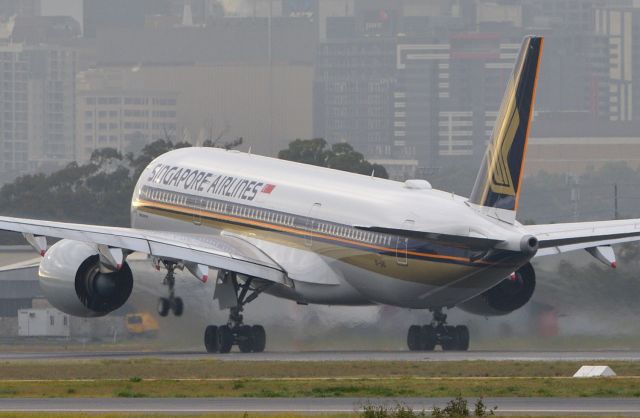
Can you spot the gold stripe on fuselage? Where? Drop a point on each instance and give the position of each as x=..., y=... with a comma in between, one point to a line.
x=374, y=258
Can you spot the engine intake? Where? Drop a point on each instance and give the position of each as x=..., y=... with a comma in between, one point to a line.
x=71, y=280
x=507, y=296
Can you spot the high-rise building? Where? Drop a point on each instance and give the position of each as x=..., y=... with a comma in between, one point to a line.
x=620, y=27
x=37, y=107
x=119, y=14
x=23, y=8
x=244, y=77
x=413, y=89
x=574, y=67
x=108, y=115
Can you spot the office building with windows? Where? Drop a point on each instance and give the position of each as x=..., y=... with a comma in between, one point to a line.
x=108, y=115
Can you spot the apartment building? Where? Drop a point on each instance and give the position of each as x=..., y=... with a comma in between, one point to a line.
x=37, y=107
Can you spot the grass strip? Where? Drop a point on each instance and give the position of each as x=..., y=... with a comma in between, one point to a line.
x=145, y=415
x=211, y=368
x=224, y=415
x=403, y=387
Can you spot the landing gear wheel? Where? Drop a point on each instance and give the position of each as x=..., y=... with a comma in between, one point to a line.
x=428, y=337
x=414, y=338
x=245, y=339
x=163, y=306
x=450, y=338
x=225, y=339
x=462, y=332
x=177, y=306
x=235, y=332
x=259, y=338
x=171, y=303
x=211, y=339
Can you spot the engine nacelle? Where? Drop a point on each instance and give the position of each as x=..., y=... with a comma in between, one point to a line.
x=507, y=296
x=71, y=280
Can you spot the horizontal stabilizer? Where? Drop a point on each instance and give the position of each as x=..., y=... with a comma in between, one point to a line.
x=562, y=238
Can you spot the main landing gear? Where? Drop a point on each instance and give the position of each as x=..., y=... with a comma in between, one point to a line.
x=171, y=303
x=220, y=339
x=426, y=337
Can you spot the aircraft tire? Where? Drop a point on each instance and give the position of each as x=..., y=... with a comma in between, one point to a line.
x=245, y=339
x=211, y=339
x=177, y=306
x=414, y=338
x=163, y=306
x=225, y=339
x=450, y=340
x=259, y=337
x=462, y=334
x=428, y=337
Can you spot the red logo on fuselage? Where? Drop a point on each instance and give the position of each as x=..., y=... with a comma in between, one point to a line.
x=268, y=188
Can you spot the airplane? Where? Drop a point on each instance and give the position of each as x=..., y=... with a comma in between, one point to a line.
x=314, y=235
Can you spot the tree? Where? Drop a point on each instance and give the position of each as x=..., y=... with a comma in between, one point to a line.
x=340, y=156
x=98, y=192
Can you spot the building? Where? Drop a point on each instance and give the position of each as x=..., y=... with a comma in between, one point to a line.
x=572, y=143
x=99, y=14
x=26, y=8
x=108, y=115
x=240, y=77
x=37, y=107
x=620, y=26
x=411, y=88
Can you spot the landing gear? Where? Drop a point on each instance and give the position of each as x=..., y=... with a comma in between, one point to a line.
x=426, y=337
x=249, y=339
x=171, y=303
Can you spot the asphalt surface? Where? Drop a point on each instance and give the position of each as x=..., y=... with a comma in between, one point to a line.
x=336, y=355
x=530, y=406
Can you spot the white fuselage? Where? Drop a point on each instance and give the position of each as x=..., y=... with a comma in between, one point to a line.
x=304, y=217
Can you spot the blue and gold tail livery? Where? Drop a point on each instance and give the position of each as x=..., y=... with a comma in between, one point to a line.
x=499, y=178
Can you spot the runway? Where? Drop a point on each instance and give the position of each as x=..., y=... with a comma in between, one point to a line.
x=307, y=356
x=530, y=406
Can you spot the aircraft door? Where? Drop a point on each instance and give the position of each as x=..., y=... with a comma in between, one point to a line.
x=402, y=244
x=311, y=224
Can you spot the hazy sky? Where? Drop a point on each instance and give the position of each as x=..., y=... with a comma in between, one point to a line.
x=63, y=8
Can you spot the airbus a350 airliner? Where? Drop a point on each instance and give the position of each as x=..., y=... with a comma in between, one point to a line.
x=316, y=235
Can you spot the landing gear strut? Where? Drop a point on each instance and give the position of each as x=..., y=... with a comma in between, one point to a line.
x=426, y=337
x=220, y=339
x=171, y=303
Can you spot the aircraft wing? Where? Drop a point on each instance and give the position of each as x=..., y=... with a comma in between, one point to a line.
x=561, y=238
x=217, y=251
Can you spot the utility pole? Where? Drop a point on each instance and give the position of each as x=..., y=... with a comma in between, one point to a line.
x=615, y=201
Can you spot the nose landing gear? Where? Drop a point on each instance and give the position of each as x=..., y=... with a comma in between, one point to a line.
x=172, y=302
x=426, y=337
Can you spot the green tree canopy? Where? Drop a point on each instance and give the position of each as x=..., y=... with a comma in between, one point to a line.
x=340, y=156
x=98, y=192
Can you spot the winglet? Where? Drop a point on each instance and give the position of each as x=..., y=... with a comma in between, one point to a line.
x=499, y=178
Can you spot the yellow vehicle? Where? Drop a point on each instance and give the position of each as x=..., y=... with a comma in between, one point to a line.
x=141, y=324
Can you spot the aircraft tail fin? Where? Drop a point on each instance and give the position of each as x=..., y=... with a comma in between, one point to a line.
x=500, y=176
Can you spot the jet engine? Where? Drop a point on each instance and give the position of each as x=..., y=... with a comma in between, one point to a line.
x=510, y=294
x=72, y=280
